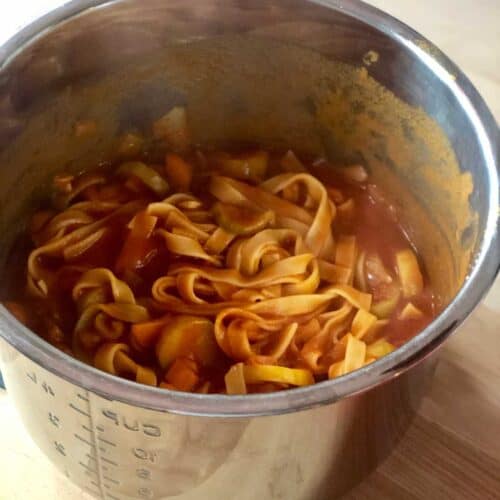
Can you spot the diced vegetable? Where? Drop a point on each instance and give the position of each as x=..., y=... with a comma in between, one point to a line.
x=146, y=334
x=355, y=173
x=187, y=335
x=62, y=183
x=139, y=246
x=379, y=348
x=411, y=278
x=359, y=273
x=388, y=298
x=183, y=374
x=376, y=273
x=149, y=176
x=130, y=144
x=85, y=128
x=179, y=172
x=410, y=312
x=245, y=166
x=235, y=380
x=241, y=220
x=173, y=128
x=290, y=163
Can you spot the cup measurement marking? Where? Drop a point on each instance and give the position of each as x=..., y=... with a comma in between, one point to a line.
x=81, y=406
x=93, y=466
x=87, y=467
x=105, y=441
x=83, y=440
x=79, y=410
x=108, y=461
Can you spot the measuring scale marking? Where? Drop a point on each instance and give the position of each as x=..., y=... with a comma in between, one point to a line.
x=116, y=451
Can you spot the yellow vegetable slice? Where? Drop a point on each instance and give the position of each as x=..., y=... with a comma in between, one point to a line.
x=235, y=380
x=409, y=272
x=241, y=220
x=149, y=176
x=280, y=374
x=379, y=348
x=245, y=166
x=185, y=335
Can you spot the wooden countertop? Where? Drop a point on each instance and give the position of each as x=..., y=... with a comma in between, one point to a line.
x=452, y=450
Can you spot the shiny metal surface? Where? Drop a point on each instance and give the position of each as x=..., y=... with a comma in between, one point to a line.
x=199, y=445
x=116, y=450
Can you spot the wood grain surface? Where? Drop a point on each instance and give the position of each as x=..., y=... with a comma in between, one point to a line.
x=452, y=450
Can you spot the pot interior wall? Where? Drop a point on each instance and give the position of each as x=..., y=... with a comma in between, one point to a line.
x=269, y=77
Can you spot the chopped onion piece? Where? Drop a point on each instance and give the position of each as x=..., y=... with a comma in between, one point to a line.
x=290, y=163
x=130, y=144
x=149, y=176
x=376, y=273
x=411, y=278
x=410, y=312
x=359, y=273
x=384, y=308
x=356, y=173
x=245, y=166
x=235, y=380
x=379, y=348
x=173, y=128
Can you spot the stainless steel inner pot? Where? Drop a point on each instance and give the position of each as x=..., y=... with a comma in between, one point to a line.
x=336, y=78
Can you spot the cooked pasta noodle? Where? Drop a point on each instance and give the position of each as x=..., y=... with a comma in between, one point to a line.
x=220, y=272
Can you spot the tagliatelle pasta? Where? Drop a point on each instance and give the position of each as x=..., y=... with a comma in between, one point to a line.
x=219, y=271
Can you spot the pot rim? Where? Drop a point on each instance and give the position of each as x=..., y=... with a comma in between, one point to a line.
x=483, y=270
